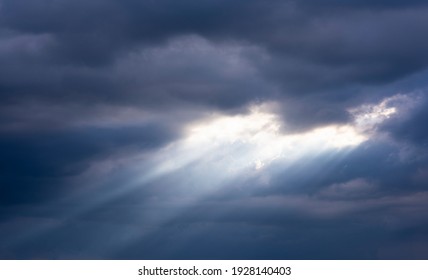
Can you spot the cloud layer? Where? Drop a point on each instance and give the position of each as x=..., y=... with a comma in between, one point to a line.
x=101, y=99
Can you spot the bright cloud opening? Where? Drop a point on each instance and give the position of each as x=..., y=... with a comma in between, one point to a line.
x=260, y=133
x=228, y=145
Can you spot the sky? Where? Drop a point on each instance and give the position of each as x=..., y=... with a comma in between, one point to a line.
x=213, y=129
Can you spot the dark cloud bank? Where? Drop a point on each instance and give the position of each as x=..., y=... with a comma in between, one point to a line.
x=92, y=91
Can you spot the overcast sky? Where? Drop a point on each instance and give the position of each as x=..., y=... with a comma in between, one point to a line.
x=213, y=129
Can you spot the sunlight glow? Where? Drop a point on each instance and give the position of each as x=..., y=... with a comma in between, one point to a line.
x=230, y=144
x=369, y=115
x=260, y=140
x=221, y=150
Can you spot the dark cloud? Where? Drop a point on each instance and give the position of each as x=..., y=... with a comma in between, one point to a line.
x=409, y=127
x=34, y=165
x=97, y=94
x=316, y=57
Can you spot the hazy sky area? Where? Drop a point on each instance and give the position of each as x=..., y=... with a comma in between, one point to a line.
x=213, y=129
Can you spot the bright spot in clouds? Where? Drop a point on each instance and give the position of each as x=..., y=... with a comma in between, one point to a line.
x=260, y=133
x=228, y=145
x=368, y=116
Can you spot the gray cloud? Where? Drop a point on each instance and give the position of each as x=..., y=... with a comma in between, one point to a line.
x=310, y=56
x=86, y=85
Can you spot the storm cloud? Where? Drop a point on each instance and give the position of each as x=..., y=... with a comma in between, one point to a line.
x=213, y=129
